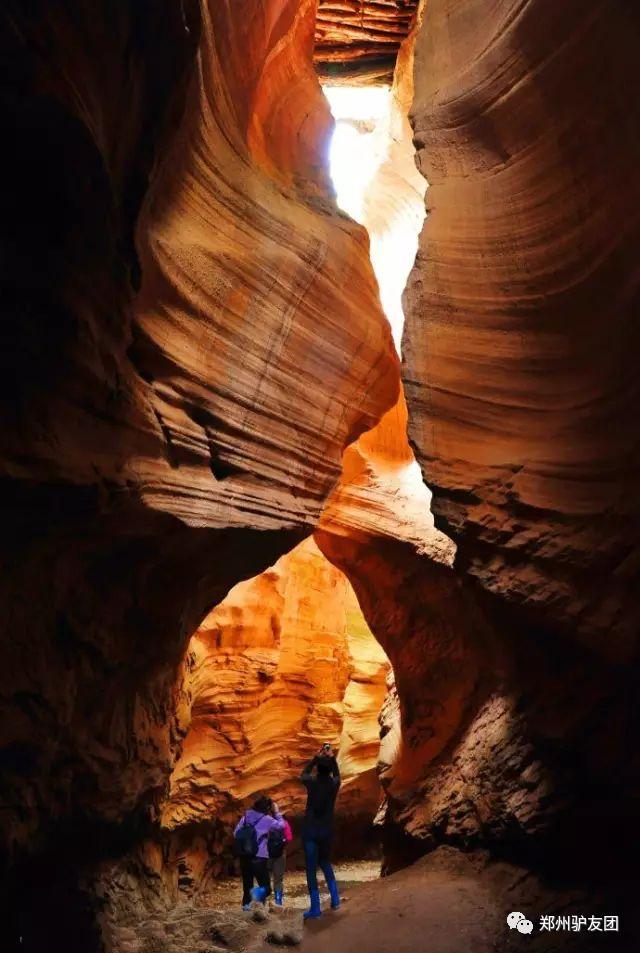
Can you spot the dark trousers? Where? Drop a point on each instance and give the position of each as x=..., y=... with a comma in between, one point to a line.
x=254, y=869
x=278, y=866
x=317, y=853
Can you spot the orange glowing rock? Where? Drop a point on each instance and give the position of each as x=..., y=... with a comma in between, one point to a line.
x=283, y=664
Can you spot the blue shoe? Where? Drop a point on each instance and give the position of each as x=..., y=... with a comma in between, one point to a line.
x=259, y=894
x=278, y=897
x=314, y=910
x=246, y=907
x=335, y=896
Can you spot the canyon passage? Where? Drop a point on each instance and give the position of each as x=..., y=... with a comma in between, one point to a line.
x=320, y=426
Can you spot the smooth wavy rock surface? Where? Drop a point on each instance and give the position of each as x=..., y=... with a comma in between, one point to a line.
x=521, y=333
x=495, y=731
x=294, y=353
x=192, y=336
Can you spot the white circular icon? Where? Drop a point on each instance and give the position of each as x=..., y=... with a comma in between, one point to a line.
x=518, y=921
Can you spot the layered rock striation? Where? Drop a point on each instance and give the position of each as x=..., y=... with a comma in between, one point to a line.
x=191, y=336
x=521, y=310
x=517, y=372
x=506, y=721
x=357, y=41
x=283, y=664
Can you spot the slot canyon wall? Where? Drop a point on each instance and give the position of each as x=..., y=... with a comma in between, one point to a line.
x=519, y=373
x=514, y=636
x=191, y=335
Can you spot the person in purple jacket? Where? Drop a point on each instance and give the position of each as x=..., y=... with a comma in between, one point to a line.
x=264, y=817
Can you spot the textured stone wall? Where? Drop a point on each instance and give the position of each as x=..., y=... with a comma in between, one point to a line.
x=512, y=638
x=520, y=382
x=191, y=338
x=521, y=329
x=191, y=335
x=283, y=664
x=357, y=40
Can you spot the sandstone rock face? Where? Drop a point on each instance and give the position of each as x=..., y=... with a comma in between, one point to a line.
x=191, y=335
x=358, y=40
x=191, y=268
x=393, y=207
x=521, y=311
x=283, y=664
x=492, y=735
x=443, y=655
x=377, y=525
x=495, y=731
x=380, y=492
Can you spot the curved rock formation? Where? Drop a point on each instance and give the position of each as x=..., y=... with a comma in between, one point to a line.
x=283, y=664
x=377, y=525
x=262, y=376
x=498, y=733
x=521, y=329
x=178, y=402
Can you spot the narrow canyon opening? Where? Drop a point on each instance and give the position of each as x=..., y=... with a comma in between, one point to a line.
x=372, y=165
x=287, y=660
x=285, y=663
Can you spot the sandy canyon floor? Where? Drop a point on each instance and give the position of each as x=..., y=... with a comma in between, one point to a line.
x=445, y=903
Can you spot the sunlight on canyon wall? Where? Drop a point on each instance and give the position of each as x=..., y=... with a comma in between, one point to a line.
x=284, y=663
x=373, y=170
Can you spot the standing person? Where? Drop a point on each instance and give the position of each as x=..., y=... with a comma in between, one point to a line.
x=317, y=829
x=277, y=846
x=251, y=842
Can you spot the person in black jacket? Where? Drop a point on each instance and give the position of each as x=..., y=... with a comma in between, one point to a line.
x=317, y=829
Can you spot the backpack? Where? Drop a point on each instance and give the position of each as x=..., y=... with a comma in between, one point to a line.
x=245, y=842
x=275, y=843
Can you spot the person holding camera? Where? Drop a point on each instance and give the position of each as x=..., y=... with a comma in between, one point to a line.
x=321, y=778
